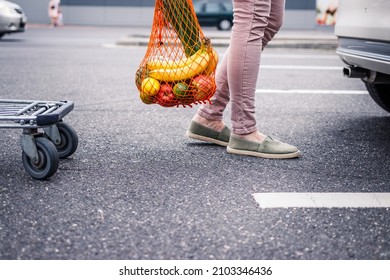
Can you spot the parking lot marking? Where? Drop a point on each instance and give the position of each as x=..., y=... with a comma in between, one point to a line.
x=115, y=46
x=302, y=67
x=322, y=200
x=300, y=56
x=311, y=91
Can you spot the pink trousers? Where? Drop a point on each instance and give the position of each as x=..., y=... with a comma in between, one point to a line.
x=255, y=24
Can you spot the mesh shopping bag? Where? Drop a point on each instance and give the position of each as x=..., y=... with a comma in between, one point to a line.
x=179, y=64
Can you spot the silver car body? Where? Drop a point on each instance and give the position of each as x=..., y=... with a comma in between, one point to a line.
x=12, y=18
x=363, y=29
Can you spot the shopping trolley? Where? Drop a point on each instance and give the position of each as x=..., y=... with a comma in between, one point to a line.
x=45, y=137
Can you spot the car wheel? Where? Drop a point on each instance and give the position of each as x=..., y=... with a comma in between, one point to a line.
x=225, y=24
x=380, y=93
x=1, y=35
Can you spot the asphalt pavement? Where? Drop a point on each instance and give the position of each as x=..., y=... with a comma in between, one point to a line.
x=137, y=188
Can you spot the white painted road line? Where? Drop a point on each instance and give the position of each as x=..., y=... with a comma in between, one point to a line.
x=300, y=56
x=302, y=67
x=115, y=46
x=322, y=200
x=311, y=91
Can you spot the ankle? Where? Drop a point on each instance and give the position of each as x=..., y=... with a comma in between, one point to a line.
x=255, y=136
x=217, y=125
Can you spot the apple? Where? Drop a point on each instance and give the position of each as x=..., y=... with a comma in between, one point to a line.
x=180, y=90
x=204, y=87
x=165, y=96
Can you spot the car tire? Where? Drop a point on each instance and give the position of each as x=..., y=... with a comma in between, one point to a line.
x=380, y=93
x=225, y=25
x=1, y=35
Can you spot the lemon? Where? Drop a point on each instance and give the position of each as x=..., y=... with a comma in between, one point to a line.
x=150, y=86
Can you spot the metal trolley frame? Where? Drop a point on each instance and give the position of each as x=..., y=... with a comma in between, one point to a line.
x=45, y=137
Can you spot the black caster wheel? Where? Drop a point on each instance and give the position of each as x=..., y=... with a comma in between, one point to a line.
x=47, y=163
x=69, y=140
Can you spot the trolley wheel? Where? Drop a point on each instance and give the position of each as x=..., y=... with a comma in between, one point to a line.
x=47, y=163
x=69, y=140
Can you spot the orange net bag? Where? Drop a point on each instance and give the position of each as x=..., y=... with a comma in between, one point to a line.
x=179, y=65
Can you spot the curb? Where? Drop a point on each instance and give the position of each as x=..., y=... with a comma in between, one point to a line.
x=326, y=42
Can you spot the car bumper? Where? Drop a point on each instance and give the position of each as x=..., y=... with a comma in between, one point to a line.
x=13, y=24
x=367, y=54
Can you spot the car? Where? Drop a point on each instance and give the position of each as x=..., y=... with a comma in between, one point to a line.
x=363, y=31
x=217, y=13
x=12, y=18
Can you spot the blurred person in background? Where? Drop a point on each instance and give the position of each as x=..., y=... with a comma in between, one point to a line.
x=54, y=12
x=326, y=12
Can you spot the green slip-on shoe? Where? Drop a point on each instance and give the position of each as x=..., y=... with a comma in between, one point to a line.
x=269, y=148
x=203, y=133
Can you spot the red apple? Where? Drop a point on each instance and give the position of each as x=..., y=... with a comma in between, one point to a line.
x=165, y=96
x=204, y=87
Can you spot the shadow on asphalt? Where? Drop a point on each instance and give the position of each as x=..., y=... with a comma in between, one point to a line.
x=368, y=127
x=5, y=40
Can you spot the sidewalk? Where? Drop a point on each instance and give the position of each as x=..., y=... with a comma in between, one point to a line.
x=323, y=38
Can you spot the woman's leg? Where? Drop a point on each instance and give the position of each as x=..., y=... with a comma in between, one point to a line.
x=250, y=22
x=211, y=114
x=265, y=18
x=275, y=20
